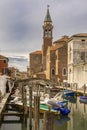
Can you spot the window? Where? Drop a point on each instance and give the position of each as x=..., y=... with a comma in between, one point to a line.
x=46, y=33
x=82, y=45
x=83, y=40
x=49, y=34
x=53, y=71
x=64, y=71
x=83, y=56
x=5, y=61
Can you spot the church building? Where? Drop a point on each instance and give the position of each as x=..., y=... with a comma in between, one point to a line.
x=51, y=61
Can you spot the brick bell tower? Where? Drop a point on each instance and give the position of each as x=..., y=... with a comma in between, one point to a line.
x=47, y=36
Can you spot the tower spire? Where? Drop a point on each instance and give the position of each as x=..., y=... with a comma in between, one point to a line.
x=47, y=17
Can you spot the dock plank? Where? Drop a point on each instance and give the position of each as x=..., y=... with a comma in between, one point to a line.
x=12, y=114
x=3, y=102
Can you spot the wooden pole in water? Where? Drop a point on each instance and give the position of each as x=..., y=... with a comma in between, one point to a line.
x=84, y=89
x=23, y=126
x=20, y=86
x=71, y=86
x=84, y=108
x=25, y=105
x=76, y=88
x=48, y=121
x=0, y=119
x=23, y=98
x=30, y=107
x=63, y=87
x=36, y=112
x=49, y=91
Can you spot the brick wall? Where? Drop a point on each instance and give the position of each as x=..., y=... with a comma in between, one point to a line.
x=35, y=63
x=62, y=57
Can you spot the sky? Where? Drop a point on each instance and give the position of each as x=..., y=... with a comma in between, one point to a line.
x=21, y=23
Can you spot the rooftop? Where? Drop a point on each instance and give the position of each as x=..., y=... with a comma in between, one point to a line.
x=3, y=57
x=37, y=52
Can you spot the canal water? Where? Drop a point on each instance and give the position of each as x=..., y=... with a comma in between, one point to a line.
x=76, y=120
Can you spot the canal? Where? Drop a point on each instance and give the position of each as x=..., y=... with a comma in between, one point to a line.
x=76, y=120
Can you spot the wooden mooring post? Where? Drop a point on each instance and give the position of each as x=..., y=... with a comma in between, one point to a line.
x=24, y=104
x=76, y=88
x=36, y=112
x=30, y=107
x=84, y=89
x=23, y=99
x=48, y=121
x=0, y=119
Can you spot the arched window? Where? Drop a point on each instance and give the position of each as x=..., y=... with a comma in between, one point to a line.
x=53, y=71
x=64, y=72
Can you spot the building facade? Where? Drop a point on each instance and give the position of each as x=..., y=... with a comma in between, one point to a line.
x=77, y=59
x=57, y=60
x=35, y=63
x=3, y=64
x=61, y=64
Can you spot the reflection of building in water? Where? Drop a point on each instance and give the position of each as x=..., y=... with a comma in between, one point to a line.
x=78, y=116
x=77, y=59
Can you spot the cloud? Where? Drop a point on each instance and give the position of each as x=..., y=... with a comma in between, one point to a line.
x=20, y=62
x=14, y=20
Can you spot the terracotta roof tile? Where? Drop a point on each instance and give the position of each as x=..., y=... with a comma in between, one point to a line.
x=63, y=39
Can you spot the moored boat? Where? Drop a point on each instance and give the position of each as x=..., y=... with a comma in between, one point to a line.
x=46, y=103
x=43, y=107
x=68, y=93
x=83, y=99
x=47, y=107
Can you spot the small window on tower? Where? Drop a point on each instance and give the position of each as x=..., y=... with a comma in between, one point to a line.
x=49, y=32
x=53, y=71
x=46, y=33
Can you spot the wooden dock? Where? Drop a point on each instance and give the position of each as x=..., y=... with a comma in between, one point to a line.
x=3, y=104
x=82, y=91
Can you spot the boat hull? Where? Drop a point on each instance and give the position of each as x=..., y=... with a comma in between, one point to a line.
x=68, y=93
x=43, y=108
x=83, y=99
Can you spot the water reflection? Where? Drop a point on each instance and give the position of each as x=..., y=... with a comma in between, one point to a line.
x=76, y=120
x=61, y=120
